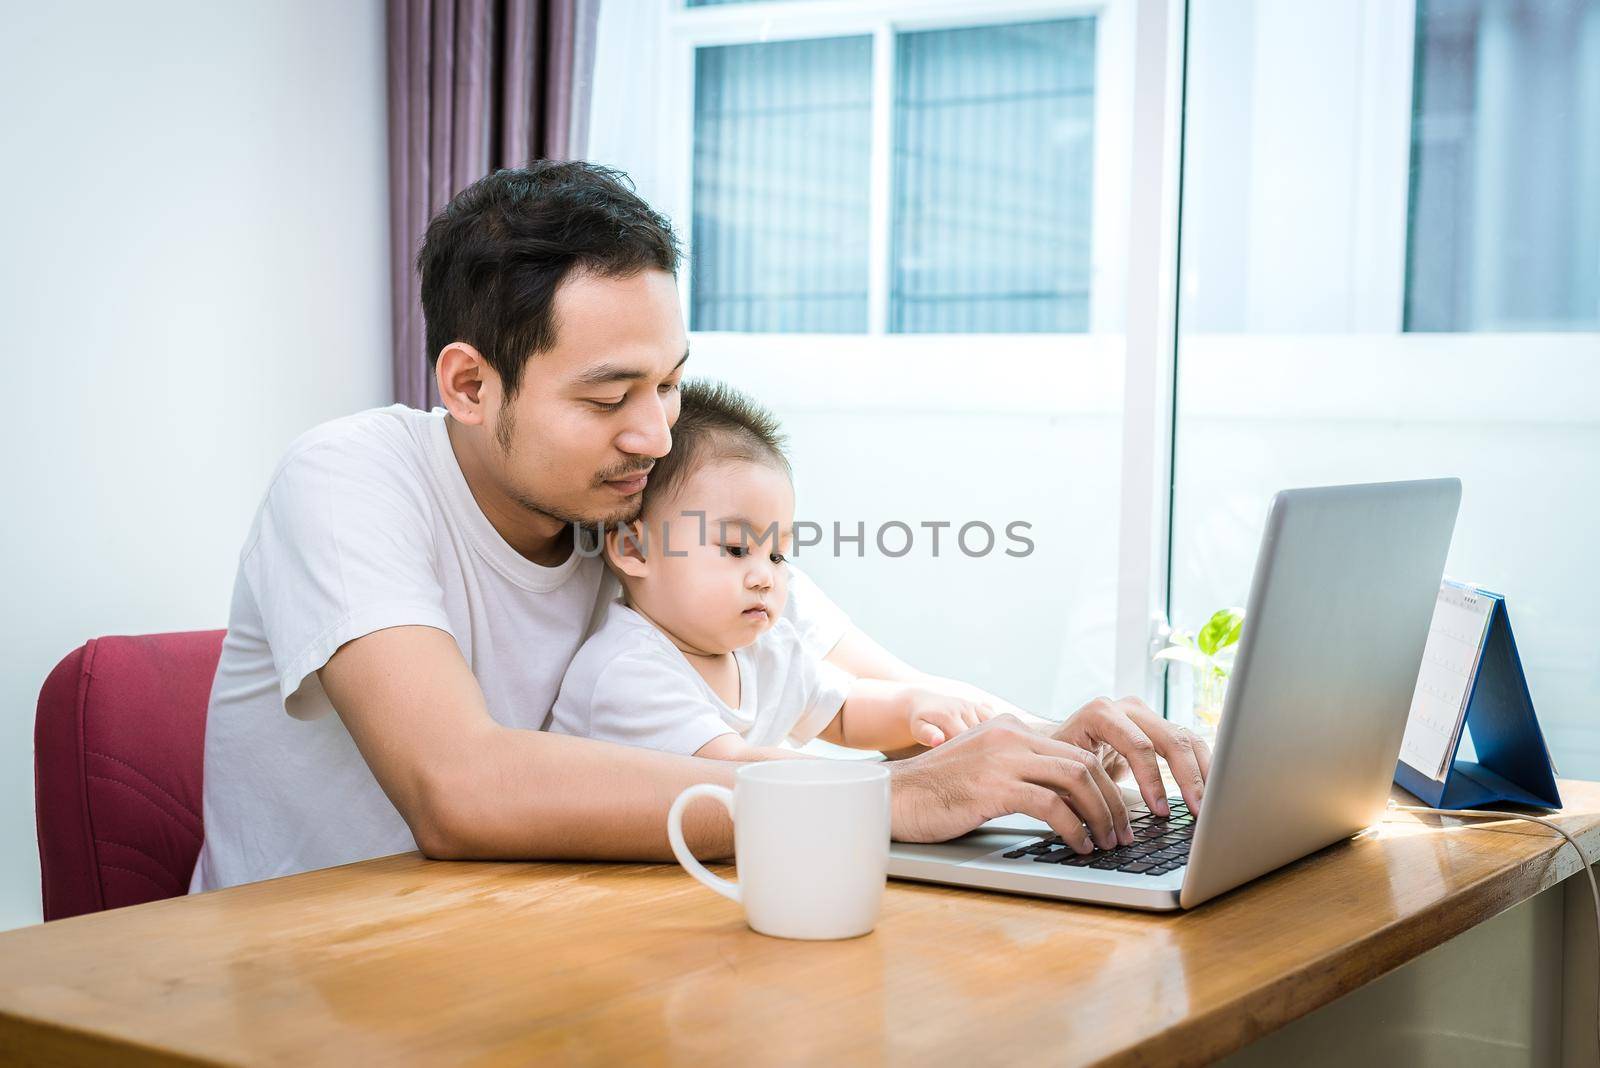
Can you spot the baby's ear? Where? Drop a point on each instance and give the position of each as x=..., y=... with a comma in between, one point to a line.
x=626, y=548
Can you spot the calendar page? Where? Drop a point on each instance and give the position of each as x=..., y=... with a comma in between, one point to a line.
x=1449, y=663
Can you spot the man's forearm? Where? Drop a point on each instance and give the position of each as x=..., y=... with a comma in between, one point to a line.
x=864, y=658
x=521, y=795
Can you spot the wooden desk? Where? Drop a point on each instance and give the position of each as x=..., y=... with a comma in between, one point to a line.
x=406, y=960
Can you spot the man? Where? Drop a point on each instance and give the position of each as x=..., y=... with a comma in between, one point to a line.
x=410, y=593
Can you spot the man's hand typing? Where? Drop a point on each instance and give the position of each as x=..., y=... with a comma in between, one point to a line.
x=1064, y=774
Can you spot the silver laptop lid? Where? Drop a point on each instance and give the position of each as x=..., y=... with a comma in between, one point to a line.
x=1338, y=614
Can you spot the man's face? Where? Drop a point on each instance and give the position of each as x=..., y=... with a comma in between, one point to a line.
x=593, y=414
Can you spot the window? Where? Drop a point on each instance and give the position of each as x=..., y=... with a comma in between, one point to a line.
x=1332, y=312
x=782, y=145
x=993, y=150
x=1505, y=182
x=990, y=184
x=1294, y=367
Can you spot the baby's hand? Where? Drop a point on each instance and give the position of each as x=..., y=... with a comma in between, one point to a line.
x=937, y=717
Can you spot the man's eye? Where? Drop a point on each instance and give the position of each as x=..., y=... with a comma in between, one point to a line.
x=668, y=387
x=735, y=551
x=609, y=406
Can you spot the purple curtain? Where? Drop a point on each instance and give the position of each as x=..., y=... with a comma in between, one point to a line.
x=474, y=85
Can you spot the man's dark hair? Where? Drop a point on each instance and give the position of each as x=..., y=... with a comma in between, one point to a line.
x=716, y=423
x=491, y=261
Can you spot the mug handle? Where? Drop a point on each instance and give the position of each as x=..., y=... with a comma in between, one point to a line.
x=680, y=849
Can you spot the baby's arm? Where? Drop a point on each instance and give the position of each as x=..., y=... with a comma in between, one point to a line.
x=732, y=747
x=879, y=714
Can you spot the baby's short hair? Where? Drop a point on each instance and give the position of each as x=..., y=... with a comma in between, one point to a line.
x=716, y=422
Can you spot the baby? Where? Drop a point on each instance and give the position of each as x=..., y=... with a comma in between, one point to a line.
x=697, y=656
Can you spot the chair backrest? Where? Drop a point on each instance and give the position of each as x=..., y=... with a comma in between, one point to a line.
x=118, y=746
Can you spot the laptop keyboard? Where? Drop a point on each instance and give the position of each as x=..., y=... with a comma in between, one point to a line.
x=1160, y=844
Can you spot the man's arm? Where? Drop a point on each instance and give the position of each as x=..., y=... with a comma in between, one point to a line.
x=864, y=658
x=469, y=787
x=857, y=654
x=1126, y=736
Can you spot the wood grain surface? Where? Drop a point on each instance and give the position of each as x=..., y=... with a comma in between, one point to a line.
x=402, y=960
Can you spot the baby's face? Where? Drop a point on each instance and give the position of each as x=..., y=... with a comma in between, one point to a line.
x=715, y=573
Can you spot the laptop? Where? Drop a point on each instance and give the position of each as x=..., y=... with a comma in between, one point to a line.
x=1339, y=609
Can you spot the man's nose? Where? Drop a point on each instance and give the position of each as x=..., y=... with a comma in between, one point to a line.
x=649, y=433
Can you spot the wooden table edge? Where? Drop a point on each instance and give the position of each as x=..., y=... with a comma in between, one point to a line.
x=1198, y=1038
x=1205, y=1037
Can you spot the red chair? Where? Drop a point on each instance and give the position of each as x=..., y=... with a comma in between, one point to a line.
x=118, y=746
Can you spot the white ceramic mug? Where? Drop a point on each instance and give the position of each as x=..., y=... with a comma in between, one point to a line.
x=811, y=839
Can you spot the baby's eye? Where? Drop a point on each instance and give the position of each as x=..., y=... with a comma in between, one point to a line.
x=735, y=551
x=779, y=558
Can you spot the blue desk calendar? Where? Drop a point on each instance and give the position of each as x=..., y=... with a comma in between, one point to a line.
x=1472, y=677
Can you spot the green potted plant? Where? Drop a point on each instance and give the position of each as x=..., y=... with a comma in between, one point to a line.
x=1210, y=653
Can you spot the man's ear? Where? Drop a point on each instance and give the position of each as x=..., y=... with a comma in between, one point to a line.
x=627, y=547
x=467, y=384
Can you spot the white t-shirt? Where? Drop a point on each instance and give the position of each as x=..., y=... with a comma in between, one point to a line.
x=630, y=684
x=368, y=523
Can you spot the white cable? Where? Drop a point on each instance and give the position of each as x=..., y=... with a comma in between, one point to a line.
x=1583, y=861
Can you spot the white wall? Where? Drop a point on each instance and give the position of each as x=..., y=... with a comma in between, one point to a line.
x=1034, y=436
x=193, y=271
